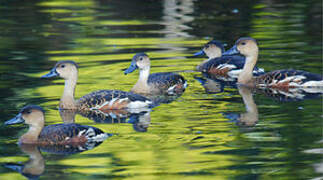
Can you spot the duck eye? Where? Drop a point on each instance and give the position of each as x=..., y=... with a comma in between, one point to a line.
x=29, y=111
x=63, y=65
x=141, y=58
x=207, y=46
x=243, y=43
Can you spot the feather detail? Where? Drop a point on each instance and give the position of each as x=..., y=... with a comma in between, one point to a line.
x=227, y=66
x=111, y=99
x=167, y=82
x=285, y=79
x=70, y=134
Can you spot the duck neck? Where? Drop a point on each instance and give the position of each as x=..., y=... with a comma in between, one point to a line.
x=142, y=83
x=67, y=100
x=67, y=115
x=31, y=136
x=245, y=77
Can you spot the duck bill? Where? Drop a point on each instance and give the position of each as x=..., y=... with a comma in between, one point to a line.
x=131, y=68
x=199, y=53
x=16, y=120
x=232, y=51
x=52, y=73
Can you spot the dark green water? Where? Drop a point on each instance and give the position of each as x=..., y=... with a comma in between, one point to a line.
x=191, y=137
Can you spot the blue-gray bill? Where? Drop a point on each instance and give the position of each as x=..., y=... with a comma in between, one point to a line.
x=232, y=51
x=52, y=73
x=131, y=68
x=199, y=53
x=16, y=120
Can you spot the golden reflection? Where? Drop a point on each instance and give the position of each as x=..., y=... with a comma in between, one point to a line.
x=250, y=117
x=34, y=167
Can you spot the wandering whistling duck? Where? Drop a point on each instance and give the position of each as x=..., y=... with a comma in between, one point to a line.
x=222, y=65
x=57, y=134
x=98, y=100
x=280, y=79
x=156, y=83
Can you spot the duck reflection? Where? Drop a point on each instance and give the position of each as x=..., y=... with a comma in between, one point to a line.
x=140, y=118
x=35, y=166
x=250, y=117
x=294, y=94
x=214, y=85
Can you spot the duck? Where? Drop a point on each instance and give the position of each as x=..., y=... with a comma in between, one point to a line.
x=56, y=134
x=157, y=83
x=97, y=100
x=283, y=79
x=222, y=65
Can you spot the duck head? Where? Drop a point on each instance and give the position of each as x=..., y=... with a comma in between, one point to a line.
x=212, y=49
x=139, y=61
x=245, y=46
x=63, y=69
x=30, y=115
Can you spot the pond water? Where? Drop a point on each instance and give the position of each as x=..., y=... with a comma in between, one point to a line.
x=197, y=135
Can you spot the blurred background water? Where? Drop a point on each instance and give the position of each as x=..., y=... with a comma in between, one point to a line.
x=193, y=137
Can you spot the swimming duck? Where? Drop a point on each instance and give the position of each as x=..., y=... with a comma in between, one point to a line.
x=57, y=134
x=156, y=83
x=98, y=100
x=222, y=65
x=280, y=79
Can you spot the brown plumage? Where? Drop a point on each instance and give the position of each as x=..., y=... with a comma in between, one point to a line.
x=279, y=79
x=156, y=83
x=57, y=134
x=106, y=99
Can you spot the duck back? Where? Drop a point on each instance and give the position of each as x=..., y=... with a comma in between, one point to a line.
x=65, y=134
x=112, y=99
x=227, y=64
x=169, y=82
x=289, y=78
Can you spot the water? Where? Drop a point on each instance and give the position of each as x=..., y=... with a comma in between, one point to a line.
x=197, y=135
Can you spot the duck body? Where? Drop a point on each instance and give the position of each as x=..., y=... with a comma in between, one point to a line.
x=168, y=82
x=112, y=99
x=101, y=99
x=157, y=83
x=69, y=134
x=288, y=78
x=57, y=134
x=279, y=79
x=228, y=66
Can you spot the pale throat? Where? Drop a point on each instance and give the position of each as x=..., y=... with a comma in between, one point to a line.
x=143, y=76
x=67, y=100
x=246, y=75
x=31, y=136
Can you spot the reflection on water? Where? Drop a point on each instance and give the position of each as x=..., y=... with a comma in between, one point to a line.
x=184, y=137
x=35, y=166
x=250, y=117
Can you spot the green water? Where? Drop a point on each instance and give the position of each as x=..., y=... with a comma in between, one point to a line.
x=189, y=138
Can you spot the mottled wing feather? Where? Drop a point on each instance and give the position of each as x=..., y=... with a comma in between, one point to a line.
x=98, y=98
x=237, y=61
x=165, y=80
x=59, y=133
x=280, y=75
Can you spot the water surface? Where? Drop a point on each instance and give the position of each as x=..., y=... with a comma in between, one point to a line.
x=197, y=135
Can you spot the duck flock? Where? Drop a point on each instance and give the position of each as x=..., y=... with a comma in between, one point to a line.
x=235, y=67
